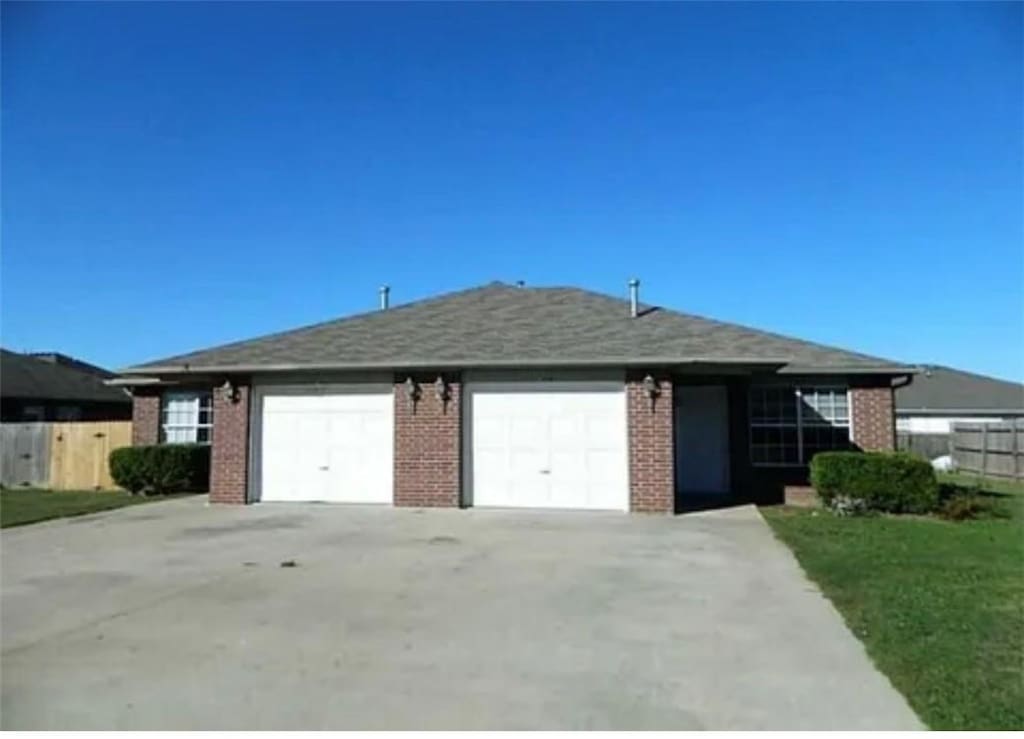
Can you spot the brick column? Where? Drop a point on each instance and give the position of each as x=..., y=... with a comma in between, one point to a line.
x=145, y=416
x=651, y=447
x=229, y=456
x=428, y=445
x=874, y=424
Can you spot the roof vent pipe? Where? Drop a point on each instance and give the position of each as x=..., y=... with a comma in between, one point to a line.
x=384, y=292
x=634, y=297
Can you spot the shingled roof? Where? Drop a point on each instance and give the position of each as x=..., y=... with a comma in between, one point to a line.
x=946, y=390
x=499, y=325
x=26, y=377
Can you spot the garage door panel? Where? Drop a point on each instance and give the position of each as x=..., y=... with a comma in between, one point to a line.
x=526, y=463
x=489, y=432
x=604, y=464
x=603, y=430
x=545, y=446
x=565, y=429
x=327, y=447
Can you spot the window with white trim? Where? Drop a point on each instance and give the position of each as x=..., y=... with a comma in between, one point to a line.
x=186, y=417
x=789, y=425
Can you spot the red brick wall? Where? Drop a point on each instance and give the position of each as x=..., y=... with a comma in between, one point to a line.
x=651, y=453
x=145, y=416
x=874, y=425
x=428, y=446
x=229, y=456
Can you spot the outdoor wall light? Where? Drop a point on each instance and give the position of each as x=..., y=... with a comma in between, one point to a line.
x=441, y=389
x=229, y=392
x=652, y=390
x=412, y=392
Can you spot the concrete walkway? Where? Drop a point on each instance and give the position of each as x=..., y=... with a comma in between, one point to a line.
x=177, y=615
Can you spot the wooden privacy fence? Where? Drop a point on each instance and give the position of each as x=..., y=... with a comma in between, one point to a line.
x=928, y=446
x=993, y=449
x=70, y=455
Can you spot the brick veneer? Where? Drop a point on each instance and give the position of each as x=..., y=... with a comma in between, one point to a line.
x=873, y=419
x=651, y=452
x=145, y=416
x=428, y=446
x=229, y=456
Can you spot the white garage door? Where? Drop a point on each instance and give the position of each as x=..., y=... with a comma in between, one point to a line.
x=549, y=445
x=335, y=448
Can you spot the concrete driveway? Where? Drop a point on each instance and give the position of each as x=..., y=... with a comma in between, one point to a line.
x=177, y=615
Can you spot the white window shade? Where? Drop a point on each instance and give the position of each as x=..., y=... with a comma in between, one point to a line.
x=186, y=417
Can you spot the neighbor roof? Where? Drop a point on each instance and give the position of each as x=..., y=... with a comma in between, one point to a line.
x=503, y=325
x=23, y=376
x=943, y=389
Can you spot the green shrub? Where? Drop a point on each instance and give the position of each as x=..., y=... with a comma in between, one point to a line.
x=890, y=482
x=161, y=468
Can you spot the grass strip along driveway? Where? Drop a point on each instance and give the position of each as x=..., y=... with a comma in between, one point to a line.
x=938, y=604
x=31, y=505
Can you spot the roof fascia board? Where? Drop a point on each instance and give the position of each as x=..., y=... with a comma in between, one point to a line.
x=957, y=411
x=778, y=364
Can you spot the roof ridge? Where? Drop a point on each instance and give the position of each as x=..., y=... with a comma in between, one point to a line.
x=499, y=322
x=775, y=334
x=494, y=284
x=729, y=324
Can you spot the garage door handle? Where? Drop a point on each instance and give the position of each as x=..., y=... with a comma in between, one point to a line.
x=324, y=468
x=545, y=472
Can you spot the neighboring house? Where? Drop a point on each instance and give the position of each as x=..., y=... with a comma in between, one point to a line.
x=55, y=387
x=941, y=396
x=516, y=397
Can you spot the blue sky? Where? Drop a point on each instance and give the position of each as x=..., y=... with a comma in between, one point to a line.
x=180, y=175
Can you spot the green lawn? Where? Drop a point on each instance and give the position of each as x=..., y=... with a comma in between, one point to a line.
x=30, y=505
x=939, y=605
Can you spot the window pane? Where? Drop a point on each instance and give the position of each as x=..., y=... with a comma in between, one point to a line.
x=773, y=430
x=186, y=417
x=771, y=404
x=825, y=438
x=177, y=435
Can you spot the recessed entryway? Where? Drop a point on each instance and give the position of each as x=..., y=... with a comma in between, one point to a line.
x=702, y=440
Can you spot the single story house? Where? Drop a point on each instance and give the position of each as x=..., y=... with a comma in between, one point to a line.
x=509, y=396
x=55, y=387
x=942, y=396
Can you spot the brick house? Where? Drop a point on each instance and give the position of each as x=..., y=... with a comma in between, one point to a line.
x=510, y=396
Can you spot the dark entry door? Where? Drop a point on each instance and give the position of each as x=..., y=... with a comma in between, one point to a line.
x=702, y=439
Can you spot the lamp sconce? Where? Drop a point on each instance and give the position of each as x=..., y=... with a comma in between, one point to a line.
x=412, y=392
x=229, y=392
x=652, y=390
x=441, y=391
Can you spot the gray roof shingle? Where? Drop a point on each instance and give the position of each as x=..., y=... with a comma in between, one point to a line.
x=23, y=376
x=939, y=389
x=503, y=325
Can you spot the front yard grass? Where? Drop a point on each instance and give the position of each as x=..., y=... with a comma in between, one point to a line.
x=19, y=506
x=939, y=605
